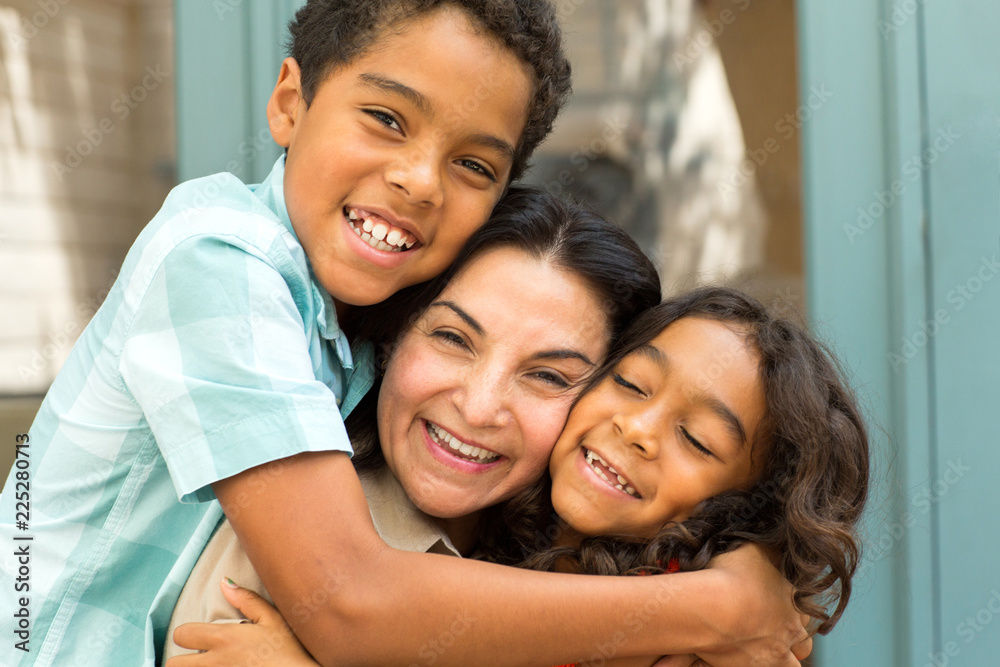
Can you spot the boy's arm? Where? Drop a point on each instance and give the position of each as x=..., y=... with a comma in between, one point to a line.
x=352, y=600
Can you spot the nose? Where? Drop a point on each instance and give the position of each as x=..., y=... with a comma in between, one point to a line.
x=416, y=174
x=639, y=428
x=482, y=400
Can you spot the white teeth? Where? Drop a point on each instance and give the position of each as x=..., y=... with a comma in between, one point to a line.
x=441, y=436
x=622, y=483
x=369, y=233
x=395, y=239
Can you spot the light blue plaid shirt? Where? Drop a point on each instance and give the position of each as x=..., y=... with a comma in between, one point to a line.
x=215, y=351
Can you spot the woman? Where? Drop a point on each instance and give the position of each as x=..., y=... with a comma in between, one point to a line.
x=474, y=396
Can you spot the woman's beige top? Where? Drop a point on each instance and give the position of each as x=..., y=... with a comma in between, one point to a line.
x=398, y=522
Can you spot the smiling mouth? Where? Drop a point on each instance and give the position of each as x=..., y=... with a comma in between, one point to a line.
x=609, y=474
x=458, y=448
x=377, y=232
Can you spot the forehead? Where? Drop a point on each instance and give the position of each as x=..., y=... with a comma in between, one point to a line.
x=529, y=298
x=449, y=30
x=694, y=340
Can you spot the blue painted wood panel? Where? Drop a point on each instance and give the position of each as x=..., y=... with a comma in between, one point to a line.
x=849, y=262
x=962, y=160
x=229, y=53
x=903, y=233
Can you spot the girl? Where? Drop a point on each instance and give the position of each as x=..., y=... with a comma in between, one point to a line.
x=714, y=424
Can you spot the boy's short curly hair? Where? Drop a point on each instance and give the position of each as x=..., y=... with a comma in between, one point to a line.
x=328, y=33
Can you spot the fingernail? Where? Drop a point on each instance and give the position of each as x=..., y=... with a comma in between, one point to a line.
x=230, y=583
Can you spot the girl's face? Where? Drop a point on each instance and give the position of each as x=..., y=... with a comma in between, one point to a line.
x=671, y=427
x=478, y=390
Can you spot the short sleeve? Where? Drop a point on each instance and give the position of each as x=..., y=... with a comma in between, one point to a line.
x=218, y=359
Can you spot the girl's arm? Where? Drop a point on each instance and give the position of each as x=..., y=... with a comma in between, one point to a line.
x=350, y=599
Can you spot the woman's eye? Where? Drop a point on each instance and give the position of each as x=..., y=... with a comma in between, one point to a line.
x=697, y=445
x=450, y=337
x=553, y=379
x=619, y=380
x=385, y=118
x=478, y=168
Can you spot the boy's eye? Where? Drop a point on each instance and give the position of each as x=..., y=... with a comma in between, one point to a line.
x=619, y=380
x=385, y=118
x=478, y=168
x=697, y=445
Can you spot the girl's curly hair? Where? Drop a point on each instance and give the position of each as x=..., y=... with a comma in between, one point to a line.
x=326, y=34
x=805, y=506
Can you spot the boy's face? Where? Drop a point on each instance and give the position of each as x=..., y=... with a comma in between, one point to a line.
x=402, y=154
x=671, y=427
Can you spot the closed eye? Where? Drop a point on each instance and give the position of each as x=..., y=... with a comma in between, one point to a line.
x=697, y=445
x=625, y=383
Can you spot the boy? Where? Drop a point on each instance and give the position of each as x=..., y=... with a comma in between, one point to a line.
x=219, y=348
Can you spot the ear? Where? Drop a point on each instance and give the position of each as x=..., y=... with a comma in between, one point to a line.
x=287, y=103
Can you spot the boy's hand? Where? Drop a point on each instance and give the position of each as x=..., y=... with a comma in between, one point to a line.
x=758, y=613
x=263, y=639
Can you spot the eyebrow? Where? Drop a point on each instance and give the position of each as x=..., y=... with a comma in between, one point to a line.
x=419, y=100
x=720, y=409
x=733, y=422
x=547, y=354
x=564, y=354
x=468, y=319
x=415, y=97
x=655, y=355
x=496, y=143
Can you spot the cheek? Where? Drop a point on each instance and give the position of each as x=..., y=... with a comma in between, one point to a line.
x=414, y=372
x=542, y=427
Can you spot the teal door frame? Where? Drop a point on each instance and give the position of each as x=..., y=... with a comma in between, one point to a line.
x=902, y=228
x=228, y=55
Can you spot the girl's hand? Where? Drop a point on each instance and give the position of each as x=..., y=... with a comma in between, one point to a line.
x=263, y=639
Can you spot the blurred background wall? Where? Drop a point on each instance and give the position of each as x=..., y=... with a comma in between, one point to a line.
x=87, y=153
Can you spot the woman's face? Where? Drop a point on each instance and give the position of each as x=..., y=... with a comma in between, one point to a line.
x=478, y=390
x=671, y=427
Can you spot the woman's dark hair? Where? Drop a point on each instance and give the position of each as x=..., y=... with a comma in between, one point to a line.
x=567, y=235
x=326, y=34
x=804, y=507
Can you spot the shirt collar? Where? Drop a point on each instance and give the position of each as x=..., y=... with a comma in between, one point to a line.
x=271, y=192
x=398, y=522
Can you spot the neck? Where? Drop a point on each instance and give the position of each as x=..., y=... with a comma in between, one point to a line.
x=342, y=310
x=463, y=531
x=567, y=536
